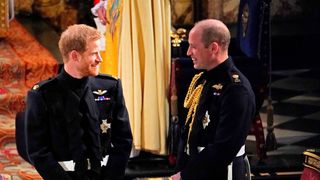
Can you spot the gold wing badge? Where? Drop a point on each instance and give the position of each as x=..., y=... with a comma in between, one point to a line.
x=100, y=94
x=217, y=88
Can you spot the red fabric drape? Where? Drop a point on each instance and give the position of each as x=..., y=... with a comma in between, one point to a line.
x=96, y=2
x=310, y=174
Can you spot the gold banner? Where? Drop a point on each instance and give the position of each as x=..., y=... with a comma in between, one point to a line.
x=113, y=28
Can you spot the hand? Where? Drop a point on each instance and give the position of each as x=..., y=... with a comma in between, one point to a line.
x=102, y=15
x=176, y=176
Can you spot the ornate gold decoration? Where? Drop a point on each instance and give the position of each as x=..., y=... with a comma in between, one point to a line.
x=177, y=36
x=312, y=160
x=192, y=100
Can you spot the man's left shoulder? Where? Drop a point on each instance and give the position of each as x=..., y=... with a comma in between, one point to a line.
x=104, y=81
x=236, y=77
x=106, y=77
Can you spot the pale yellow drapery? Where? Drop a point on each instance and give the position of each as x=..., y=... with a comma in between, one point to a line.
x=144, y=63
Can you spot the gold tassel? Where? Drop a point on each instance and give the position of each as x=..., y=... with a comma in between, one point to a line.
x=191, y=101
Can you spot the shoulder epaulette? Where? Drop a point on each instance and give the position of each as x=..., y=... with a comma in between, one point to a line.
x=42, y=84
x=107, y=76
x=235, y=77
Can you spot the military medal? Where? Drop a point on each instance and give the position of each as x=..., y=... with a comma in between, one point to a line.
x=100, y=94
x=102, y=98
x=206, y=120
x=104, y=126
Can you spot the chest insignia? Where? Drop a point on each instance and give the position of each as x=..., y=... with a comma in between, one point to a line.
x=206, y=120
x=99, y=92
x=102, y=98
x=217, y=88
x=104, y=126
x=236, y=78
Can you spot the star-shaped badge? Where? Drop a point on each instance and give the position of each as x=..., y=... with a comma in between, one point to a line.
x=206, y=120
x=104, y=126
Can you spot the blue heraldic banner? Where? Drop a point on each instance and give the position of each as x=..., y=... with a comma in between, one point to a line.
x=249, y=27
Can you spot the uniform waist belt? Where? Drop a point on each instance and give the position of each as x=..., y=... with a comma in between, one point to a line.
x=69, y=165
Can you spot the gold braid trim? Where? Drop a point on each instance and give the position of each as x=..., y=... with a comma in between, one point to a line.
x=191, y=100
x=188, y=98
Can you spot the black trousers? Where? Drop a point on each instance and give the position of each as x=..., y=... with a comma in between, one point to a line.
x=105, y=174
x=239, y=169
x=88, y=175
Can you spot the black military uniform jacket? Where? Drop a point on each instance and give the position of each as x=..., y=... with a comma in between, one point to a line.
x=70, y=119
x=222, y=121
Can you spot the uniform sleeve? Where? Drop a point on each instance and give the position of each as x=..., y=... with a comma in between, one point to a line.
x=121, y=136
x=237, y=108
x=38, y=140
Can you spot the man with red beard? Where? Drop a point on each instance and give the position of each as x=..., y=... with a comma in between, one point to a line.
x=77, y=125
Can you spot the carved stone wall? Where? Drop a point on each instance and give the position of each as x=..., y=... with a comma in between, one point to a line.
x=182, y=12
x=224, y=10
x=187, y=12
x=287, y=10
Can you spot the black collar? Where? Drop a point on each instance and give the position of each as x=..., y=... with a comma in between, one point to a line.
x=69, y=82
x=221, y=69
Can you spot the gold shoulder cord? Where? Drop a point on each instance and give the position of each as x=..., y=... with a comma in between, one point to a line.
x=191, y=100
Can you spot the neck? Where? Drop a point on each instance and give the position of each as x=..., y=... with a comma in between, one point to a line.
x=71, y=70
x=220, y=58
